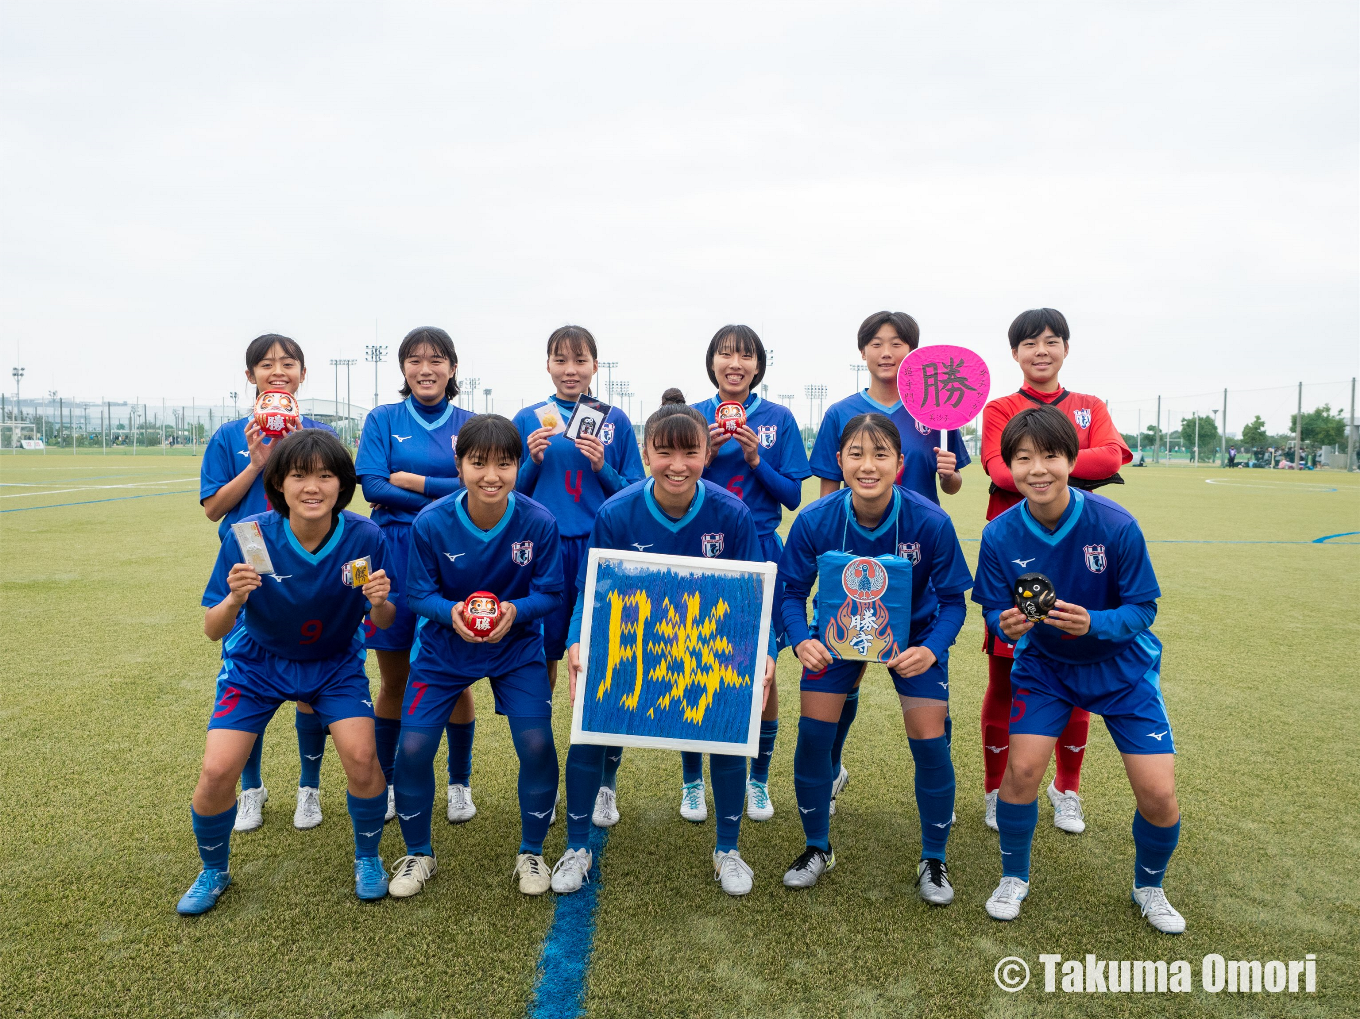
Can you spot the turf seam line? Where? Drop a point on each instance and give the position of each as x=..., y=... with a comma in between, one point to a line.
x=90, y=502
x=564, y=964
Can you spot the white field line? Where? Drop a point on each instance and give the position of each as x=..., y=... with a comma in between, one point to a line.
x=86, y=488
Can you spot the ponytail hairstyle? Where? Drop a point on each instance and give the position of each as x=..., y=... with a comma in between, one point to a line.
x=438, y=341
x=675, y=424
x=736, y=340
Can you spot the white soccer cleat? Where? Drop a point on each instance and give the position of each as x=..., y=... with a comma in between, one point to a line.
x=840, y=782
x=758, y=805
x=692, y=804
x=552, y=818
x=812, y=864
x=250, y=808
x=1067, y=815
x=532, y=871
x=570, y=872
x=606, y=813
x=391, y=804
x=989, y=809
x=732, y=872
x=308, y=812
x=932, y=881
x=1160, y=913
x=461, y=807
x=409, y=875
x=1005, y=901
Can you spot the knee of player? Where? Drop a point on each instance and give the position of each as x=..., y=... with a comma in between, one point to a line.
x=1158, y=804
x=1021, y=774
x=218, y=774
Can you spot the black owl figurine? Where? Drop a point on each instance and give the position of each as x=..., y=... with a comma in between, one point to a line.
x=1034, y=595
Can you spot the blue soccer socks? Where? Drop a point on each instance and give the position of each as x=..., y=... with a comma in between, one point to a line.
x=311, y=737
x=386, y=732
x=760, y=767
x=213, y=835
x=414, y=782
x=613, y=757
x=848, y=712
x=367, y=814
x=585, y=770
x=460, y=751
x=1152, y=849
x=813, y=777
x=1016, y=822
x=250, y=774
x=934, y=793
x=729, y=796
x=691, y=767
x=538, y=777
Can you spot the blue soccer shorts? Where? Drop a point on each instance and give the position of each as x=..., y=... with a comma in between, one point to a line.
x=251, y=687
x=402, y=633
x=521, y=692
x=841, y=674
x=557, y=622
x=1126, y=691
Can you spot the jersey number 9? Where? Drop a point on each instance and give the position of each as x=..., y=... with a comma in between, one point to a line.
x=311, y=631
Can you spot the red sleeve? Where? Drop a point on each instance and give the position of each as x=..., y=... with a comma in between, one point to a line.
x=994, y=418
x=1107, y=452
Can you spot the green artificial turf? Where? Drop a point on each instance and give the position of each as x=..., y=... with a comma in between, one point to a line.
x=108, y=679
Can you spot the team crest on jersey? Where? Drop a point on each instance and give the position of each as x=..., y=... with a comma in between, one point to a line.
x=607, y=433
x=522, y=553
x=910, y=550
x=454, y=439
x=712, y=545
x=767, y=434
x=1095, y=558
x=923, y=429
x=1083, y=417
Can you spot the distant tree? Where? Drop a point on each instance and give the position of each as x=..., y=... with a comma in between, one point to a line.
x=1208, y=434
x=1254, y=434
x=1129, y=440
x=1320, y=426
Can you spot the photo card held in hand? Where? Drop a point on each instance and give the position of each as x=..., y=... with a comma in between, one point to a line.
x=550, y=416
x=587, y=418
x=251, y=539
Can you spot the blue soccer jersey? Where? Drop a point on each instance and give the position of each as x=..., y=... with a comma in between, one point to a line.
x=303, y=610
x=564, y=482
x=226, y=456
x=404, y=437
x=918, y=443
x=518, y=560
x=778, y=479
x=1096, y=558
x=913, y=528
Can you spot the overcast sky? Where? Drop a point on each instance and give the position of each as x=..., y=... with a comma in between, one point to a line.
x=1182, y=180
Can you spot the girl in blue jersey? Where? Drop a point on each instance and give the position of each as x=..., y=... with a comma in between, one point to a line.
x=407, y=460
x=674, y=512
x=763, y=465
x=231, y=488
x=295, y=634
x=876, y=518
x=484, y=538
x=573, y=479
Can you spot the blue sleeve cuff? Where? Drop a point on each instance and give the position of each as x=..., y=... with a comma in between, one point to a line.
x=536, y=605
x=435, y=608
x=528, y=474
x=788, y=491
x=948, y=623
x=437, y=488
x=1123, y=622
x=379, y=490
x=993, y=619
x=574, y=628
x=610, y=479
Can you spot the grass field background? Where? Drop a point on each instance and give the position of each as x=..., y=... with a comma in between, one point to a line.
x=108, y=679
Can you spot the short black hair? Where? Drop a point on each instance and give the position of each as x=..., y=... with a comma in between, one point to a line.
x=575, y=339
x=258, y=349
x=1047, y=428
x=907, y=329
x=438, y=341
x=1032, y=323
x=490, y=435
x=879, y=428
x=675, y=424
x=308, y=450
x=736, y=340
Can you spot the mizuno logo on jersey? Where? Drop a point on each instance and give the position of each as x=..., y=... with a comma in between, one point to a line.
x=767, y=435
x=910, y=550
x=712, y=545
x=642, y=548
x=522, y=553
x=1022, y=563
x=607, y=433
x=1095, y=558
x=278, y=577
x=400, y=438
x=1083, y=417
x=453, y=556
x=243, y=452
x=1158, y=735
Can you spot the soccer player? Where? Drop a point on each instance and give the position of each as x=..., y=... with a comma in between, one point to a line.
x=485, y=538
x=1093, y=651
x=876, y=518
x=1038, y=341
x=406, y=461
x=671, y=513
x=294, y=635
x=573, y=479
x=885, y=339
x=763, y=465
x=231, y=488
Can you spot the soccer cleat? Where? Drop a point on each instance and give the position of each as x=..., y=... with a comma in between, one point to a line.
x=732, y=872
x=811, y=865
x=203, y=893
x=1160, y=913
x=370, y=879
x=308, y=812
x=461, y=807
x=692, y=805
x=552, y=818
x=758, y=805
x=409, y=875
x=1005, y=901
x=989, y=809
x=842, y=780
x=250, y=808
x=391, y=804
x=1067, y=814
x=606, y=813
x=532, y=871
x=571, y=871
x=932, y=881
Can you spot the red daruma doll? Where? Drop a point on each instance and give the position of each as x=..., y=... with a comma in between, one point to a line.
x=276, y=412
x=481, y=610
x=730, y=416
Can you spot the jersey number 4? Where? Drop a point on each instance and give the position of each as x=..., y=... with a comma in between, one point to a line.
x=575, y=492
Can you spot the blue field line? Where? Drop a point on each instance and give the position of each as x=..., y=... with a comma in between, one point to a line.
x=1219, y=541
x=1329, y=537
x=89, y=502
x=559, y=992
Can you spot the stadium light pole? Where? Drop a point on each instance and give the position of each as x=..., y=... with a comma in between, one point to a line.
x=486, y=401
x=376, y=353
x=609, y=367
x=471, y=392
x=1157, y=433
x=348, y=362
x=1223, y=432
x=1298, y=430
x=857, y=368
x=1350, y=439
x=18, y=374
x=235, y=409
x=335, y=409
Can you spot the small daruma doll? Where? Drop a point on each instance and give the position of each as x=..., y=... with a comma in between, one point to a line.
x=730, y=416
x=276, y=412
x=481, y=612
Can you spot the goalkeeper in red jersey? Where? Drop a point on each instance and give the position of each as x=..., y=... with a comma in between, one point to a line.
x=1039, y=345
